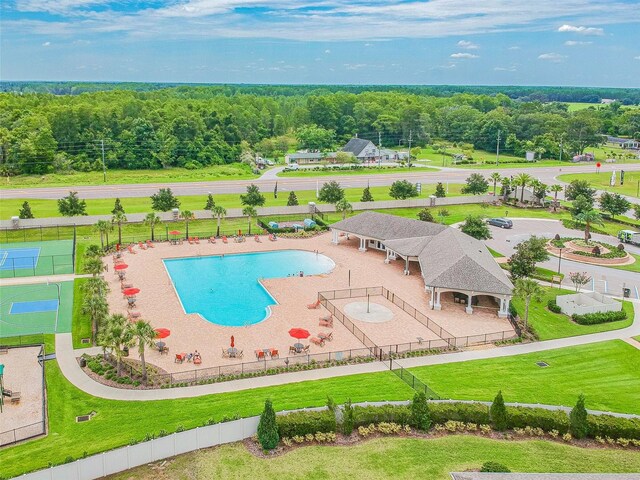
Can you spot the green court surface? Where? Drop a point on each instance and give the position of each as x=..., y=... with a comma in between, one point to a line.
x=31, y=309
x=29, y=259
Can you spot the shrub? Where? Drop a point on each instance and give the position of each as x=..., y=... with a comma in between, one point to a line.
x=553, y=306
x=347, y=418
x=547, y=420
x=363, y=416
x=578, y=425
x=599, y=317
x=420, y=416
x=268, y=428
x=494, y=467
x=615, y=427
x=303, y=423
x=498, y=413
x=620, y=247
x=463, y=412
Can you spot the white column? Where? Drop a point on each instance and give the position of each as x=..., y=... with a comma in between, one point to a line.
x=387, y=259
x=334, y=238
x=504, y=308
x=469, y=308
x=437, y=306
x=406, y=266
x=363, y=245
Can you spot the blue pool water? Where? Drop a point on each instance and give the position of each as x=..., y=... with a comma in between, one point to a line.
x=225, y=290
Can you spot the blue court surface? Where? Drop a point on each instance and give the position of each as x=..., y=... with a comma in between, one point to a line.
x=16, y=258
x=34, y=306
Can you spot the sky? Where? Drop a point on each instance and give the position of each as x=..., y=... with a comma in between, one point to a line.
x=473, y=42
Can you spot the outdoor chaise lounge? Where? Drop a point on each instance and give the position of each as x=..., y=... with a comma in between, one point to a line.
x=317, y=341
x=314, y=305
x=142, y=246
x=150, y=244
x=324, y=322
x=212, y=239
x=224, y=239
x=327, y=337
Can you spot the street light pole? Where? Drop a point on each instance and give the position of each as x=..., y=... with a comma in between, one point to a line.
x=559, y=260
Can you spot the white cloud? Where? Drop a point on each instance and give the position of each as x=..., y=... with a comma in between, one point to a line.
x=512, y=68
x=574, y=43
x=581, y=30
x=46, y=44
x=552, y=57
x=468, y=45
x=327, y=51
x=463, y=55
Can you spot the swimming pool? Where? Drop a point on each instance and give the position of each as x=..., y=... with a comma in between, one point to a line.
x=225, y=289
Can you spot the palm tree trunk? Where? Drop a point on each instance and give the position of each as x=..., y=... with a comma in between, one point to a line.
x=119, y=364
x=187, y=225
x=218, y=230
x=555, y=201
x=249, y=225
x=495, y=184
x=144, y=364
x=526, y=313
x=152, y=234
x=102, y=240
x=522, y=194
x=107, y=235
x=120, y=233
x=586, y=232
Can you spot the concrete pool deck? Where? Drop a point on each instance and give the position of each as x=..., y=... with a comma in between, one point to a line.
x=157, y=302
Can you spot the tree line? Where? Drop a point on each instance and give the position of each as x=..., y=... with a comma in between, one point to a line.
x=192, y=127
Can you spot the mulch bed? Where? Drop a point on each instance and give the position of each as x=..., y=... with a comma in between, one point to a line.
x=126, y=386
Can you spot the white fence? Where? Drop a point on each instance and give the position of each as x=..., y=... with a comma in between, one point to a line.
x=132, y=456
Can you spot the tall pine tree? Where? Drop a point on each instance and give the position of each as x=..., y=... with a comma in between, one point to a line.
x=210, y=202
x=25, y=211
x=366, y=195
x=293, y=200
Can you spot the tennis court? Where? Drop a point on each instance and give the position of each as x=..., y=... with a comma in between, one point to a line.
x=30, y=259
x=36, y=308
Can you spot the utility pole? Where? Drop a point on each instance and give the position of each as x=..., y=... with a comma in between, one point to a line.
x=379, y=148
x=410, y=132
x=104, y=168
x=560, y=159
x=498, y=150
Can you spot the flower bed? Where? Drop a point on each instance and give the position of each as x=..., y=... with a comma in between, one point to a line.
x=577, y=249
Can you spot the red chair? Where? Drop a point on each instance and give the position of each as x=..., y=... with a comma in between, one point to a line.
x=260, y=354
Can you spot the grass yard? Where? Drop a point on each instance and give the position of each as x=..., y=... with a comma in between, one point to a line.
x=235, y=171
x=117, y=422
x=606, y=373
x=81, y=326
x=397, y=458
x=602, y=180
x=310, y=172
x=548, y=325
x=103, y=206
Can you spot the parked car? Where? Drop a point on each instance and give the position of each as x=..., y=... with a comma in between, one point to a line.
x=500, y=222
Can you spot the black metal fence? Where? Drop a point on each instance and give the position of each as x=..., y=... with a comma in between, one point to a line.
x=15, y=435
x=41, y=265
x=37, y=234
x=413, y=381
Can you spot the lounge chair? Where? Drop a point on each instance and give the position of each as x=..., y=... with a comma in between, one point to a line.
x=125, y=285
x=292, y=350
x=180, y=358
x=142, y=246
x=212, y=239
x=317, y=341
x=274, y=353
x=327, y=337
x=190, y=240
x=224, y=239
x=133, y=315
x=150, y=244
x=314, y=305
x=272, y=237
x=131, y=250
x=196, y=240
x=306, y=349
x=257, y=238
x=197, y=359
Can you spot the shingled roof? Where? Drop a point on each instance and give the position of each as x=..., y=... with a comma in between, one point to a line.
x=448, y=258
x=356, y=145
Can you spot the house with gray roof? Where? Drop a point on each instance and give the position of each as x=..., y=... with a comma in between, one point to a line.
x=450, y=261
x=363, y=150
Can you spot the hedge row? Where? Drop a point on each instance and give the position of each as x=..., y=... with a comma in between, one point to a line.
x=599, y=317
x=301, y=423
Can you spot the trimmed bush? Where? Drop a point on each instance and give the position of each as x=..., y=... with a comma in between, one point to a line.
x=498, y=413
x=547, y=420
x=364, y=416
x=303, y=423
x=461, y=412
x=578, y=426
x=420, y=416
x=347, y=418
x=600, y=317
x=553, y=306
x=267, y=428
x=613, y=427
x=494, y=467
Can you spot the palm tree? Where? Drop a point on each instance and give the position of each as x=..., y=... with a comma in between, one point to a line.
x=95, y=286
x=151, y=220
x=506, y=185
x=495, y=177
x=119, y=218
x=589, y=217
x=527, y=289
x=117, y=335
x=219, y=212
x=96, y=307
x=343, y=206
x=144, y=335
x=187, y=216
x=104, y=228
x=249, y=212
x=555, y=189
x=94, y=266
x=522, y=180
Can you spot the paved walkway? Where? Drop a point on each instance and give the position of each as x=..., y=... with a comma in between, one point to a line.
x=633, y=342
x=66, y=357
x=5, y=282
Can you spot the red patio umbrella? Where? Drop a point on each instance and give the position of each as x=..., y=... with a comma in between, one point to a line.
x=162, y=332
x=174, y=232
x=299, y=333
x=121, y=266
x=233, y=341
x=128, y=292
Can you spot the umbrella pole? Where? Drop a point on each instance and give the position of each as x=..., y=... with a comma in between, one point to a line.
x=368, y=299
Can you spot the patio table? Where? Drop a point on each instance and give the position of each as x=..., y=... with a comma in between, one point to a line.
x=232, y=352
x=298, y=346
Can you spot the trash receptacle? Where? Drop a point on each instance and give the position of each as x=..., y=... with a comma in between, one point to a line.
x=15, y=222
x=626, y=292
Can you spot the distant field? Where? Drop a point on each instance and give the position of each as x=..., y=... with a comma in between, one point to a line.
x=602, y=180
x=575, y=106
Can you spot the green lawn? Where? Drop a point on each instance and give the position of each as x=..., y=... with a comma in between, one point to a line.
x=117, y=422
x=397, y=458
x=548, y=325
x=81, y=327
x=103, y=206
x=310, y=172
x=606, y=373
x=234, y=171
x=602, y=180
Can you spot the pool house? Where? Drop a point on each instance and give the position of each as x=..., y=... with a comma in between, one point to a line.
x=454, y=266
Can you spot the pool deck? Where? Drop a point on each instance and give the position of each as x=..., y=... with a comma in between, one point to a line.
x=158, y=303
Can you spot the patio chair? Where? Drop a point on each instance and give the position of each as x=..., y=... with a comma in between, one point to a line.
x=225, y=353
x=257, y=238
x=326, y=323
x=224, y=239
x=150, y=244
x=196, y=240
x=327, y=337
x=125, y=285
x=190, y=240
x=133, y=315
x=197, y=359
x=180, y=358
x=292, y=350
x=314, y=305
x=142, y=246
x=212, y=239
x=15, y=397
x=240, y=354
x=317, y=341
x=164, y=350
x=274, y=353
x=306, y=349
x=259, y=354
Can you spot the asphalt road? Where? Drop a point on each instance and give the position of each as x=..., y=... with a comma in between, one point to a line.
x=267, y=182
x=606, y=279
